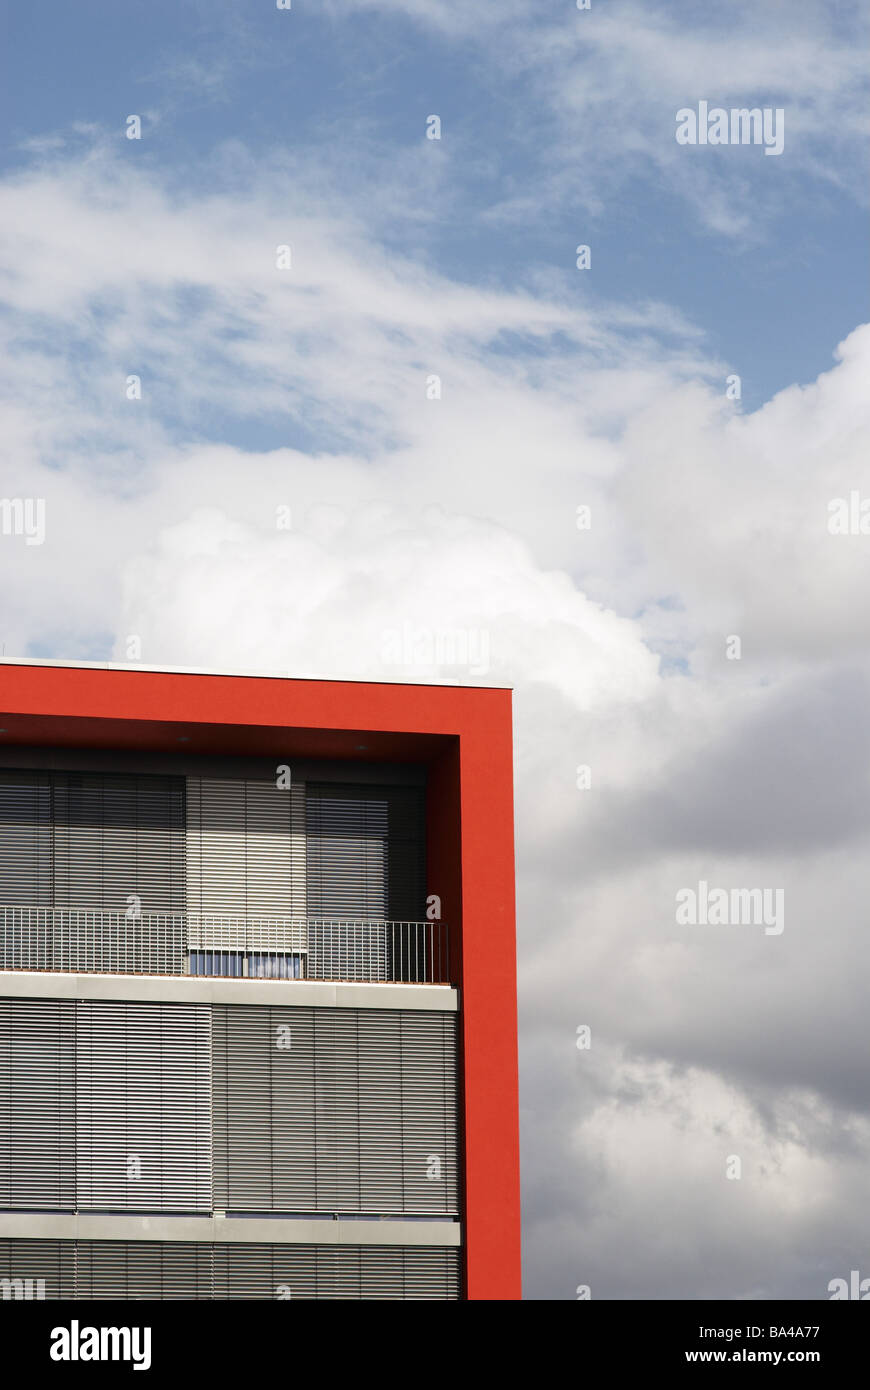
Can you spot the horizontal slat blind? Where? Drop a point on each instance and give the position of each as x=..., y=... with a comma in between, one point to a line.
x=357, y=1114
x=366, y=862
x=37, y=1104
x=25, y=839
x=408, y=1098
x=347, y=852
x=108, y=1105
x=53, y=1261
x=245, y=848
x=143, y=1093
x=394, y=1273
x=136, y=1270
x=117, y=835
x=428, y=1098
x=86, y=1087
x=158, y=1270
x=84, y=843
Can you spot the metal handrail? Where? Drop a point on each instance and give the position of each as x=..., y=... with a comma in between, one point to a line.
x=109, y=941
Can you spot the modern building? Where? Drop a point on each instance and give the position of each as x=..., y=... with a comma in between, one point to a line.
x=257, y=988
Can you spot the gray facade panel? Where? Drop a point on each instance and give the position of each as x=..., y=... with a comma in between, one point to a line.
x=212, y=989
x=266, y=1230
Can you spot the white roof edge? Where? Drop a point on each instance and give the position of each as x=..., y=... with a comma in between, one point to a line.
x=252, y=675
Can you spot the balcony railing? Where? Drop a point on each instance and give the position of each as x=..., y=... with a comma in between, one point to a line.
x=103, y=941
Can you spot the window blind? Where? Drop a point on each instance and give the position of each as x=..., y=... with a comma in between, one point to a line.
x=89, y=840
x=366, y=856
x=26, y=839
x=143, y=1106
x=245, y=848
x=116, y=835
x=37, y=1104
x=91, y=864
x=162, y=1270
x=105, y=1105
x=342, y=1110
x=130, y=1106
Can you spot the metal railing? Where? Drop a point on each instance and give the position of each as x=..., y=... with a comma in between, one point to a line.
x=105, y=941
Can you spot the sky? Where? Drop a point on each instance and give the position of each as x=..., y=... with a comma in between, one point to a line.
x=289, y=385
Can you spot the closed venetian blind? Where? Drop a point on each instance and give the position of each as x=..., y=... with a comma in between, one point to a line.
x=117, y=835
x=37, y=1104
x=162, y=1270
x=143, y=1106
x=25, y=839
x=105, y=1105
x=340, y=1110
x=89, y=840
x=245, y=848
x=365, y=855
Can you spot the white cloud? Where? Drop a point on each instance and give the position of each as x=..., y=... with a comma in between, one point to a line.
x=380, y=593
x=603, y=87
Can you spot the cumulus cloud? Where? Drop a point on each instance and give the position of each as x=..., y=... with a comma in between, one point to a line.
x=380, y=592
x=659, y=1141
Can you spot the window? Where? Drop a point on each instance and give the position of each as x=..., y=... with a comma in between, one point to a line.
x=260, y=965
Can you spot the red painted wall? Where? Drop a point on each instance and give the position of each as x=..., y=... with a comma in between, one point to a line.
x=465, y=736
x=489, y=1009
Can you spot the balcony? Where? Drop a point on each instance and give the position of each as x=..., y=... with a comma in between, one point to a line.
x=103, y=941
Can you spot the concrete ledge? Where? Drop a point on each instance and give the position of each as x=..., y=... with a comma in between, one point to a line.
x=231, y=1229
x=209, y=989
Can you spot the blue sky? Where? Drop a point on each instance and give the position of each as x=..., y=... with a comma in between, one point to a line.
x=286, y=494
x=344, y=81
